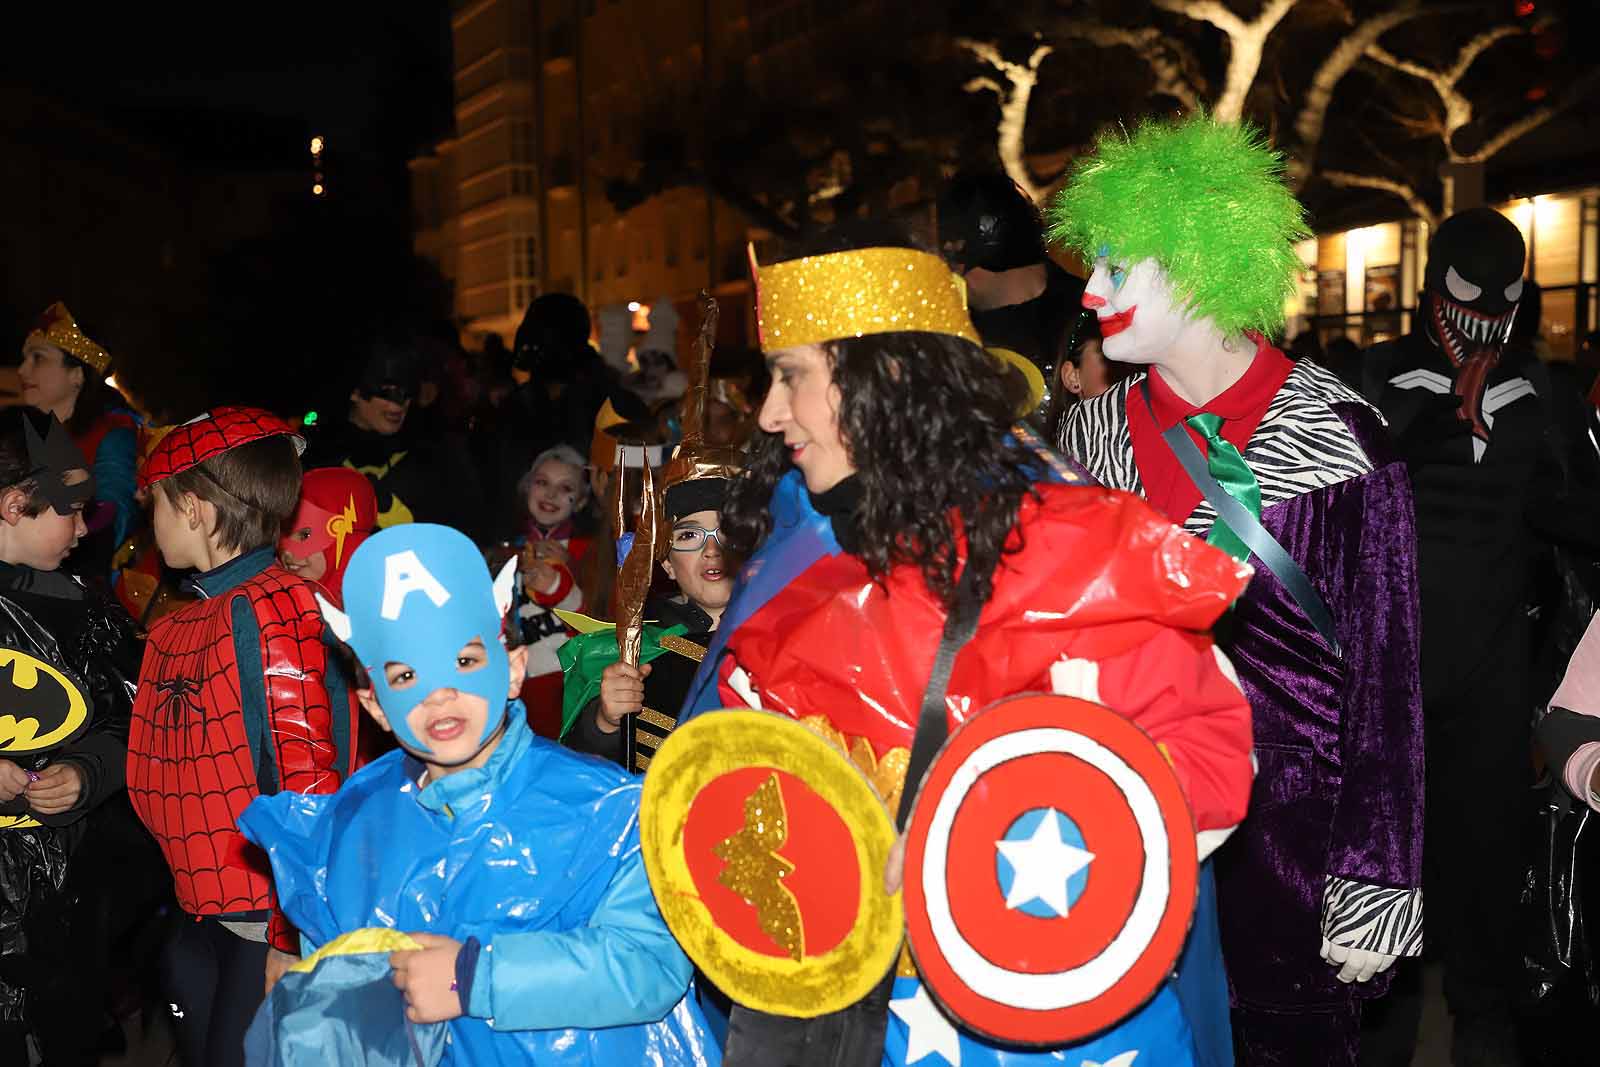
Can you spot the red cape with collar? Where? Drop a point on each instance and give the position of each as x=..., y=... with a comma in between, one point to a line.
x=1098, y=579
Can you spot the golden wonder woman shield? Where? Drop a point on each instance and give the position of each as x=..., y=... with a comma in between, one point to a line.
x=765, y=848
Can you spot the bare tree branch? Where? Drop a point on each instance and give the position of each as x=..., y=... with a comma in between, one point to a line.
x=1159, y=52
x=1313, y=116
x=1405, y=66
x=1458, y=109
x=1246, y=40
x=1412, y=198
x=1013, y=97
x=1534, y=119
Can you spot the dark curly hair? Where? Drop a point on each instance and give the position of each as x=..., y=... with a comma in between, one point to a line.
x=925, y=421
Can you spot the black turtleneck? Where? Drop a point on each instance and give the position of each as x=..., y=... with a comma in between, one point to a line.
x=840, y=505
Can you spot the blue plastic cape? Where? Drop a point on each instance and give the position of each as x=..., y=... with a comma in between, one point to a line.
x=536, y=854
x=417, y=594
x=346, y=1010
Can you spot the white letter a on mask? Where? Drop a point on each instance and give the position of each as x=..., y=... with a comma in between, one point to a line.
x=404, y=574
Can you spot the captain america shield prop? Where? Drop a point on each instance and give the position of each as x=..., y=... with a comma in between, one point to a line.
x=1050, y=871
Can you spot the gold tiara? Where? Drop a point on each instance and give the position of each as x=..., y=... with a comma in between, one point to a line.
x=853, y=294
x=57, y=327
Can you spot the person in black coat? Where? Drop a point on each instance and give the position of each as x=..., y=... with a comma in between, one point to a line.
x=418, y=476
x=68, y=661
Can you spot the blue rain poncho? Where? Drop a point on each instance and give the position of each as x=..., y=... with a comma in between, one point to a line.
x=535, y=854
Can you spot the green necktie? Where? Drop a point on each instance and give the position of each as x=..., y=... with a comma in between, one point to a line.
x=1233, y=474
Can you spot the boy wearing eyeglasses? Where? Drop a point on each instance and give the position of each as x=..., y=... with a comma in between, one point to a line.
x=654, y=691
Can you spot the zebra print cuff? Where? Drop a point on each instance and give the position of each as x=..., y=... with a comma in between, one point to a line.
x=1372, y=917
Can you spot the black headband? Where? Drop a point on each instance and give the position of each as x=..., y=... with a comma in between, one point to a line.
x=701, y=494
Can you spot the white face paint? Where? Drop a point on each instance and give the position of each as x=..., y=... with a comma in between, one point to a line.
x=1140, y=319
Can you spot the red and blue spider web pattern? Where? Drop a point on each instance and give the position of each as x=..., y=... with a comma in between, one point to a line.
x=190, y=768
x=300, y=723
x=198, y=441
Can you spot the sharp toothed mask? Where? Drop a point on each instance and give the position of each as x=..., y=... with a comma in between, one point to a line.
x=1474, y=283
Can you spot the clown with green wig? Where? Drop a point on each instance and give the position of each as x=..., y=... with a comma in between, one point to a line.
x=1191, y=232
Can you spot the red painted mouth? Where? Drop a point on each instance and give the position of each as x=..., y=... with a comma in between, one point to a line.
x=1111, y=325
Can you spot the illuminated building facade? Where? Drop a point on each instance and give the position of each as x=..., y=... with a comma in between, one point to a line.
x=550, y=99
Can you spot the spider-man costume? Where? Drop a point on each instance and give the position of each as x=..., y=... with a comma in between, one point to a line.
x=192, y=767
x=234, y=700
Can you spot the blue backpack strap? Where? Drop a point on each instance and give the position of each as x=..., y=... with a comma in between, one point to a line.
x=253, y=693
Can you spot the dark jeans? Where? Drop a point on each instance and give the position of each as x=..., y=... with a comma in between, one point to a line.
x=1475, y=852
x=851, y=1037
x=216, y=980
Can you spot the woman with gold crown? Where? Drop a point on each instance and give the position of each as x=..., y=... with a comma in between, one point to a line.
x=887, y=490
x=64, y=373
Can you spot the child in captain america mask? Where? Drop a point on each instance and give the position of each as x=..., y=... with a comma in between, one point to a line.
x=428, y=636
x=513, y=863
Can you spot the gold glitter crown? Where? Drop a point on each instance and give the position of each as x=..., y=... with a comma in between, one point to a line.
x=57, y=327
x=853, y=294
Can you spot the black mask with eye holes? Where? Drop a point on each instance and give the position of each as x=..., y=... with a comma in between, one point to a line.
x=1473, y=283
x=52, y=457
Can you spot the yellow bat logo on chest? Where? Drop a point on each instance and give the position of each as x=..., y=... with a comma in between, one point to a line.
x=40, y=707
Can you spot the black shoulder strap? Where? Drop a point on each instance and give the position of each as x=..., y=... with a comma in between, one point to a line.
x=933, y=724
x=1261, y=544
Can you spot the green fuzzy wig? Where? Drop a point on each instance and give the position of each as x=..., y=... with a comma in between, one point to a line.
x=1206, y=201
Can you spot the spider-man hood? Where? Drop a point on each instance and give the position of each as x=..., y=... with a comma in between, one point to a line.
x=417, y=594
x=338, y=511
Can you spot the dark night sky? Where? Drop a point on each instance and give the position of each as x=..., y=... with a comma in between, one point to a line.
x=373, y=78
x=230, y=91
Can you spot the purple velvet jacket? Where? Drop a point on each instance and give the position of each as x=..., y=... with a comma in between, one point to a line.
x=1332, y=845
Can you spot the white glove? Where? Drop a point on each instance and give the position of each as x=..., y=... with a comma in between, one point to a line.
x=1356, y=964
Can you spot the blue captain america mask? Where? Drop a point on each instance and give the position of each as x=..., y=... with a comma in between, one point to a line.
x=417, y=594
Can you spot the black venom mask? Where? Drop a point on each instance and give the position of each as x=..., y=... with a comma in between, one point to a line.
x=1473, y=285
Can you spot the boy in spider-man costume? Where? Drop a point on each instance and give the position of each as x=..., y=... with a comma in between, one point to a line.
x=235, y=699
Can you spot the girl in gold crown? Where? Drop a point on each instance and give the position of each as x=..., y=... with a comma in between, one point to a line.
x=886, y=490
x=63, y=373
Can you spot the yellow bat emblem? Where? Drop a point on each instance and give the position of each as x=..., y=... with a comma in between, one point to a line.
x=40, y=707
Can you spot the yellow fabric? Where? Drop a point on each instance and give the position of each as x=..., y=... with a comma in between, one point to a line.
x=357, y=942
x=865, y=291
x=1030, y=374
x=582, y=623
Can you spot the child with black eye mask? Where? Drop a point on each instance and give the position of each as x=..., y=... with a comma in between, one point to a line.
x=68, y=660
x=553, y=546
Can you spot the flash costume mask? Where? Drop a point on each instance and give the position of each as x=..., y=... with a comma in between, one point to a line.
x=417, y=594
